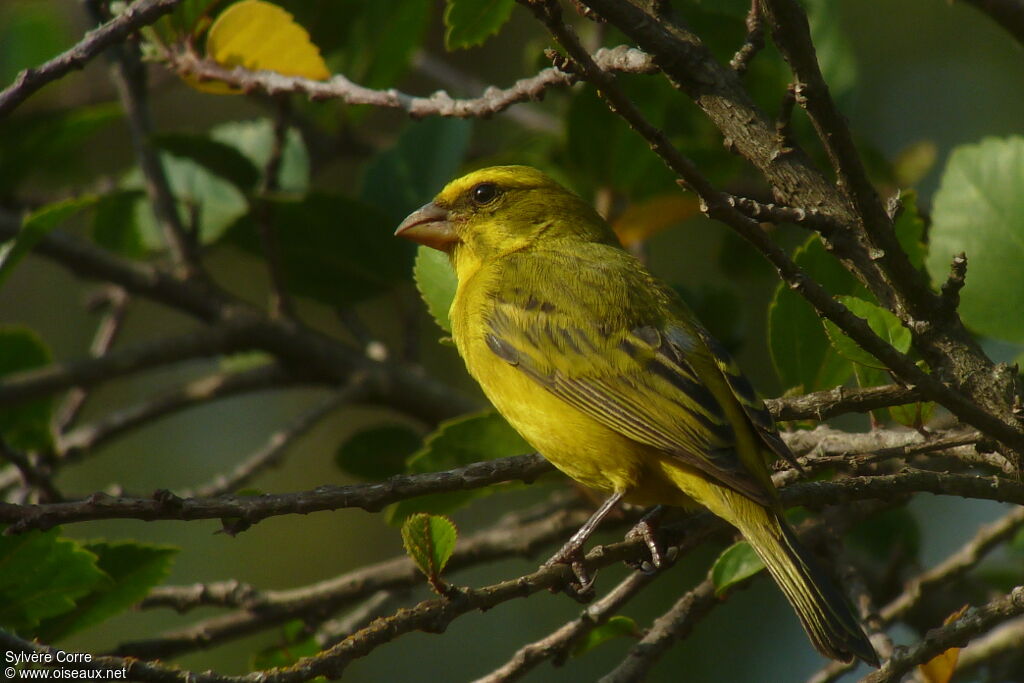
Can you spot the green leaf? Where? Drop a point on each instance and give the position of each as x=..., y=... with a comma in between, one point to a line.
x=427, y=155
x=220, y=158
x=436, y=282
x=471, y=22
x=622, y=159
x=114, y=226
x=255, y=141
x=913, y=414
x=430, y=541
x=616, y=627
x=52, y=143
x=132, y=570
x=245, y=360
x=909, y=228
x=214, y=202
x=737, y=563
x=35, y=227
x=41, y=576
x=1017, y=544
x=979, y=210
x=803, y=357
x=297, y=643
x=457, y=442
x=331, y=248
x=882, y=322
x=26, y=425
x=377, y=453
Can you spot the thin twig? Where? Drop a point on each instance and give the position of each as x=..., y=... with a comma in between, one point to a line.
x=32, y=475
x=957, y=634
x=822, y=405
x=309, y=353
x=87, y=372
x=754, y=41
x=277, y=445
x=557, y=645
x=201, y=391
x=129, y=76
x=115, y=300
x=674, y=625
x=137, y=15
x=1009, y=14
x=716, y=206
x=494, y=100
x=955, y=565
x=280, y=300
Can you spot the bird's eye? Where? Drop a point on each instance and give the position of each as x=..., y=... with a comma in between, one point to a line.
x=485, y=193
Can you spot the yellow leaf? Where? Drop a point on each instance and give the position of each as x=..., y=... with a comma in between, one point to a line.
x=649, y=217
x=261, y=36
x=941, y=667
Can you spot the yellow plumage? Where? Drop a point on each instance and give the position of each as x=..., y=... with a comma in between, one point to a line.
x=609, y=375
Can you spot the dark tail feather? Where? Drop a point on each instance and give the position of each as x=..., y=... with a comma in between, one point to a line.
x=826, y=614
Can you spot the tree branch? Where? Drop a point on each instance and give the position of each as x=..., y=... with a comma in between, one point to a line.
x=717, y=206
x=137, y=15
x=959, y=633
x=674, y=625
x=307, y=353
x=1007, y=13
x=494, y=100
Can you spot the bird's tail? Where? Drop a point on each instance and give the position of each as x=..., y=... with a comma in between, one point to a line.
x=826, y=614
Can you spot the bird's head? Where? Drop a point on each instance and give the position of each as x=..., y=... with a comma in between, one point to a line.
x=502, y=209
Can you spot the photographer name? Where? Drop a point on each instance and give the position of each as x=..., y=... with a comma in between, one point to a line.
x=46, y=657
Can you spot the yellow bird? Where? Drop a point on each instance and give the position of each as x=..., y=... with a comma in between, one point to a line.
x=607, y=373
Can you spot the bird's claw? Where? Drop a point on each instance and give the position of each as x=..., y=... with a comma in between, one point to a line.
x=647, y=530
x=581, y=587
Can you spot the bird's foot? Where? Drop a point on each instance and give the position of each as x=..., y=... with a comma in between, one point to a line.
x=581, y=587
x=647, y=530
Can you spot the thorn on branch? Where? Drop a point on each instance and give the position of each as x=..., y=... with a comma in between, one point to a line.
x=783, y=129
x=955, y=282
x=587, y=12
x=754, y=41
x=894, y=206
x=560, y=61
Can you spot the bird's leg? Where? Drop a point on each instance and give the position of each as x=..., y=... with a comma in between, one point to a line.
x=571, y=553
x=647, y=529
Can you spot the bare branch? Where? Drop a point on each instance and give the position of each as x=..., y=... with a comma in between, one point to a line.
x=674, y=625
x=494, y=100
x=139, y=14
x=959, y=563
x=1004, y=639
x=308, y=353
x=1007, y=13
x=251, y=509
x=87, y=372
x=822, y=405
x=116, y=301
x=977, y=620
x=716, y=205
x=129, y=77
x=280, y=301
x=516, y=535
x=277, y=445
x=197, y=392
x=558, y=644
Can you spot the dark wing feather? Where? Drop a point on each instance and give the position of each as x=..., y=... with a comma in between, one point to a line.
x=644, y=372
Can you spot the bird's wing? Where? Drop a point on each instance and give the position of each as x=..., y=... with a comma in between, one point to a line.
x=649, y=376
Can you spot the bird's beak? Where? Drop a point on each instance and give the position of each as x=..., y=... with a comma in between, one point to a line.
x=429, y=225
